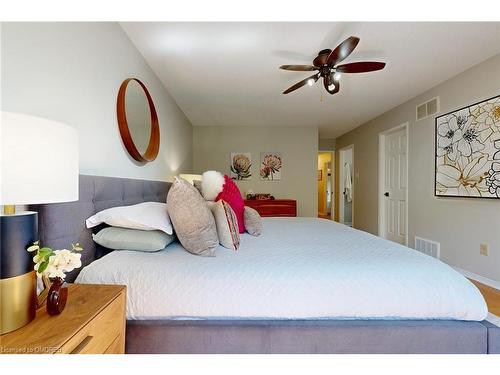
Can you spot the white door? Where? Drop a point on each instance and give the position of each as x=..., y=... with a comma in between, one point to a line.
x=395, y=176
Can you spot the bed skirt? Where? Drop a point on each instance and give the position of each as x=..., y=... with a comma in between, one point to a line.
x=312, y=337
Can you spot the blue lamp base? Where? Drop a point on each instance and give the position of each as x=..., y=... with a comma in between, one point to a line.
x=17, y=278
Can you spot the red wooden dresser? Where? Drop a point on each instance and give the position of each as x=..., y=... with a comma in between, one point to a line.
x=276, y=207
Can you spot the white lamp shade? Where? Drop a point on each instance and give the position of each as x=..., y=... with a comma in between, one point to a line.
x=38, y=160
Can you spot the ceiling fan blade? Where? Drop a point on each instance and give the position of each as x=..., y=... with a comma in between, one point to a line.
x=360, y=67
x=298, y=68
x=343, y=50
x=301, y=83
x=328, y=81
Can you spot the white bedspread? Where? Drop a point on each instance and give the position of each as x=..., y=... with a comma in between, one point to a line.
x=299, y=268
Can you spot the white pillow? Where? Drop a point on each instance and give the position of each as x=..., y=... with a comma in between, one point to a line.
x=144, y=216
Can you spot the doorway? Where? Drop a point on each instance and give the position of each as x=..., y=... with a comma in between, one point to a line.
x=393, y=184
x=346, y=170
x=325, y=184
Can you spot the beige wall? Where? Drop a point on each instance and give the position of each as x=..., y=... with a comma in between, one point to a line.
x=71, y=72
x=460, y=225
x=298, y=145
x=326, y=144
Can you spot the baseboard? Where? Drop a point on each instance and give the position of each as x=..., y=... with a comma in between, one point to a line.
x=478, y=278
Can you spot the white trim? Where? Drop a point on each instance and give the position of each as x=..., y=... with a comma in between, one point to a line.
x=478, y=278
x=381, y=176
x=341, y=184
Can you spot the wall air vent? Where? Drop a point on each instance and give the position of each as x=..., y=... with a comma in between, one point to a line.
x=428, y=247
x=428, y=108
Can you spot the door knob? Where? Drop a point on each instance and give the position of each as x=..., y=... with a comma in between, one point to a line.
x=386, y=193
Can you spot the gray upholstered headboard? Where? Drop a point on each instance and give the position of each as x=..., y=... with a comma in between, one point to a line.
x=61, y=224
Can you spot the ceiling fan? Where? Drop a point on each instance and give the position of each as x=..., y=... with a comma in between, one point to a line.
x=326, y=65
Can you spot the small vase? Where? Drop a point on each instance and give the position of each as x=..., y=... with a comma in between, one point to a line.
x=56, y=299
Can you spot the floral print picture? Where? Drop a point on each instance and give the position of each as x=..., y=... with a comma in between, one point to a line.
x=271, y=164
x=241, y=164
x=468, y=151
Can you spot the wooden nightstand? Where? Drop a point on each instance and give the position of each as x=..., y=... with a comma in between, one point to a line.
x=93, y=322
x=273, y=207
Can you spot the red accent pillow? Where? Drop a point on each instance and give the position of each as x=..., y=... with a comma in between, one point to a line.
x=231, y=194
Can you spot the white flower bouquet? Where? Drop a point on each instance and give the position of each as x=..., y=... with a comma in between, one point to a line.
x=55, y=263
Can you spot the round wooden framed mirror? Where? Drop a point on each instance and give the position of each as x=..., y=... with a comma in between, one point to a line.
x=138, y=121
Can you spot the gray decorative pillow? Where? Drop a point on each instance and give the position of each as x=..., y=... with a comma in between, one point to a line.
x=253, y=221
x=133, y=239
x=226, y=224
x=193, y=221
x=197, y=185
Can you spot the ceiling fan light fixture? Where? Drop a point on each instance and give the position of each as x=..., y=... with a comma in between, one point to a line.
x=326, y=65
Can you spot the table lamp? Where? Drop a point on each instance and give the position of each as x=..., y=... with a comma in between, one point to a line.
x=38, y=165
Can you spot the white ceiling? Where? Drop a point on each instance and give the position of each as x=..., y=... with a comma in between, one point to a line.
x=227, y=73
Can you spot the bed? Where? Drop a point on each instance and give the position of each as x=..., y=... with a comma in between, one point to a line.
x=305, y=286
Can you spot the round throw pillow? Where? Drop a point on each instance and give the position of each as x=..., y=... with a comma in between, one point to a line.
x=231, y=194
x=211, y=184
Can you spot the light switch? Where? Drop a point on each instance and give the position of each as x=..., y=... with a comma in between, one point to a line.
x=483, y=249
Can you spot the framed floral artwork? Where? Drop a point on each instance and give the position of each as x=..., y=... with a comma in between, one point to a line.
x=467, y=148
x=271, y=166
x=241, y=166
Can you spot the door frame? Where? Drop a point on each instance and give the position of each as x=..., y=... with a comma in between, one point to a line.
x=341, y=183
x=332, y=180
x=381, y=176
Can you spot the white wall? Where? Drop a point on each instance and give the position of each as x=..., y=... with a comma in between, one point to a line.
x=459, y=224
x=298, y=146
x=71, y=72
